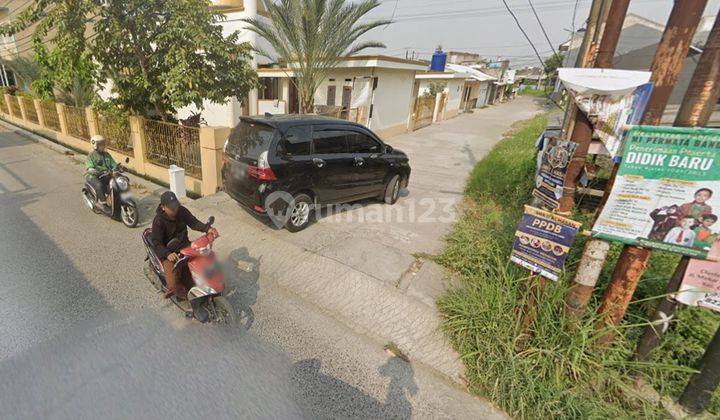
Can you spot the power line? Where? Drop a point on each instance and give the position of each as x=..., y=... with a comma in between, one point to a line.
x=524, y=33
x=547, y=38
x=393, y=15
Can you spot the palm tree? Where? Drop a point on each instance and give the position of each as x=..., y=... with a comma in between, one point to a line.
x=314, y=36
x=80, y=94
x=26, y=69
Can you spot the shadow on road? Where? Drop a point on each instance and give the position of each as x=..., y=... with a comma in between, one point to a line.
x=323, y=396
x=243, y=271
x=44, y=292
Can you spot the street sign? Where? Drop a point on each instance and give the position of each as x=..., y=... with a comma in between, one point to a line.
x=667, y=192
x=542, y=242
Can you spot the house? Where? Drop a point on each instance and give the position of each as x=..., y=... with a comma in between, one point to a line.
x=636, y=48
x=374, y=90
x=530, y=76
x=457, y=57
x=454, y=95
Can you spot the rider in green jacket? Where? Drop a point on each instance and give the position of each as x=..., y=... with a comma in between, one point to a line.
x=98, y=162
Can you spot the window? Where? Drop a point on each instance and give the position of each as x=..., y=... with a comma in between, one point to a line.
x=249, y=139
x=270, y=88
x=362, y=143
x=331, y=96
x=329, y=142
x=296, y=141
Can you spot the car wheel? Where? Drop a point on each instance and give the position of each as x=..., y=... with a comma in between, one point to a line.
x=299, y=213
x=392, y=190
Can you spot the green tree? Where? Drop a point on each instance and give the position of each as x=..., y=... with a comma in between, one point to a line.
x=314, y=36
x=552, y=63
x=58, y=41
x=164, y=54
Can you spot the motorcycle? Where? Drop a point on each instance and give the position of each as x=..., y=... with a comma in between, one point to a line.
x=122, y=205
x=205, y=298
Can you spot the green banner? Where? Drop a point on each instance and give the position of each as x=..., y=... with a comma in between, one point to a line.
x=667, y=192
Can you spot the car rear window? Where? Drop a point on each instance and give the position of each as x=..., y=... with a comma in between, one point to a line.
x=249, y=139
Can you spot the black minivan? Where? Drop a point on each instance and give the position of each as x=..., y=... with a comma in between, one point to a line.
x=308, y=160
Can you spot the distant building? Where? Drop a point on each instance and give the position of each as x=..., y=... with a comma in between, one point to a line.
x=464, y=58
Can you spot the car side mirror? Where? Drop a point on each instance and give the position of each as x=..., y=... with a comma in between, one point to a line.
x=127, y=160
x=173, y=244
x=388, y=148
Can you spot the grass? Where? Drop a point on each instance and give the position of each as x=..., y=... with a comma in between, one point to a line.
x=557, y=374
x=540, y=93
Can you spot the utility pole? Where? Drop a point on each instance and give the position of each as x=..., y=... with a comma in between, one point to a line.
x=666, y=68
x=698, y=103
x=585, y=53
x=703, y=384
x=582, y=129
x=581, y=134
x=596, y=250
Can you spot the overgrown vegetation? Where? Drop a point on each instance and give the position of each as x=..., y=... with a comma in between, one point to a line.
x=557, y=374
x=531, y=91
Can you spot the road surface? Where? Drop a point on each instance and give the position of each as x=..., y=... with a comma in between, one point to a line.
x=82, y=334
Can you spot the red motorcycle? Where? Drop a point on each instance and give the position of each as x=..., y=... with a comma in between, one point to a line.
x=197, y=268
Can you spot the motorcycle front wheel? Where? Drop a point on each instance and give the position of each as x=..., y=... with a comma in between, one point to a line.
x=224, y=312
x=129, y=214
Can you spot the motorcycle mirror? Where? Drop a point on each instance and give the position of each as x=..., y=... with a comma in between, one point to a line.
x=211, y=220
x=174, y=244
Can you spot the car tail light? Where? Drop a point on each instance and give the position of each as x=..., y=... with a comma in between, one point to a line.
x=262, y=171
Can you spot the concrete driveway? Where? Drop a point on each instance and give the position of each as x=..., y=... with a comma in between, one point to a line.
x=365, y=264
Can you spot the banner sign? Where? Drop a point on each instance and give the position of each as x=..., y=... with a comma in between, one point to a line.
x=701, y=285
x=550, y=179
x=611, y=99
x=542, y=242
x=667, y=192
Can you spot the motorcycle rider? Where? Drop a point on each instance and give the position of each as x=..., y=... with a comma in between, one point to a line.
x=97, y=162
x=171, y=221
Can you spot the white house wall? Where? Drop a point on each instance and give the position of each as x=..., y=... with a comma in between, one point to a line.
x=228, y=114
x=454, y=90
x=392, y=99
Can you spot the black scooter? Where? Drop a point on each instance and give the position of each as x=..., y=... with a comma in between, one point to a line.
x=123, y=206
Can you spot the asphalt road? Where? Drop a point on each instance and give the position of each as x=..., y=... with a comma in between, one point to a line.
x=83, y=335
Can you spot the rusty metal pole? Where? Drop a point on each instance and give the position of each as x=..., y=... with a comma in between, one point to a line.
x=584, y=57
x=667, y=65
x=596, y=250
x=702, y=385
x=582, y=134
x=697, y=106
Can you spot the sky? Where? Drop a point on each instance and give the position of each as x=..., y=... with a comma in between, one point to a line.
x=485, y=26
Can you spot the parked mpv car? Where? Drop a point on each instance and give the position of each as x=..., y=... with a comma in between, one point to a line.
x=316, y=160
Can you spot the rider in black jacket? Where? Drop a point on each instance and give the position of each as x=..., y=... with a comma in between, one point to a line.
x=171, y=221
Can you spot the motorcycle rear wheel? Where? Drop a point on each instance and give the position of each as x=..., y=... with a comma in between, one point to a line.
x=152, y=277
x=129, y=214
x=224, y=312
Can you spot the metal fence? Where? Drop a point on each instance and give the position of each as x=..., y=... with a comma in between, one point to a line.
x=30, y=111
x=15, y=107
x=116, y=130
x=169, y=144
x=77, y=125
x=50, y=115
